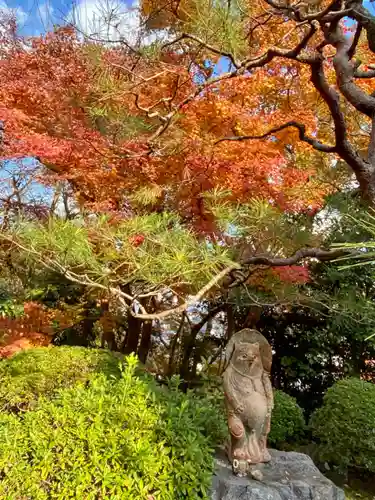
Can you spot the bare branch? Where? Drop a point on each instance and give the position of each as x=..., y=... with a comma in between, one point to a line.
x=331, y=98
x=148, y=111
x=367, y=20
x=211, y=314
x=302, y=135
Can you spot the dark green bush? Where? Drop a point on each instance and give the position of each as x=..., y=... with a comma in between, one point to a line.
x=34, y=372
x=344, y=427
x=288, y=423
x=206, y=406
x=118, y=438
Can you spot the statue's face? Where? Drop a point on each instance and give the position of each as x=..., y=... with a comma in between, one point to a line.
x=245, y=354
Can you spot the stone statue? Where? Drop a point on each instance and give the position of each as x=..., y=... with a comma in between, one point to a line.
x=248, y=399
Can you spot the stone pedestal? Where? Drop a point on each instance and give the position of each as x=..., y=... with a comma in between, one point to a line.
x=289, y=476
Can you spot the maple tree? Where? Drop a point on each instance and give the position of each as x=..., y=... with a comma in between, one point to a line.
x=154, y=128
x=319, y=57
x=33, y=328
x=110, y=130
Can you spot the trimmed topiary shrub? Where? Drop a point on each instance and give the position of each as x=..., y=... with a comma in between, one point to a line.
x=344, y=427
x=119, y=438
x=288, y=423
x=41, y=371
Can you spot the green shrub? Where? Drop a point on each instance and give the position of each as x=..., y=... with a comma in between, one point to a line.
x=206, y=406
x=34, y=372
x=288, y=423
x=344, y=426
x=122, y=438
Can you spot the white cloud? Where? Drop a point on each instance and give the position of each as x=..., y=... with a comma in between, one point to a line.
x=106, y=20
x=112, y=20
x=17, y=12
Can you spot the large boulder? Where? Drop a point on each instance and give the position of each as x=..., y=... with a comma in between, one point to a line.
x=289, y=476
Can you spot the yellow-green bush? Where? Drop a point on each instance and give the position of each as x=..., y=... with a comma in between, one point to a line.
x=41, y=371
x=113, y=437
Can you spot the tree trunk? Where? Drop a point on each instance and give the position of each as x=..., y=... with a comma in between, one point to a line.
x=174, y=346
x=133, y=334
x=253, y=316
x=87, y=324
x=230, y=322
x=145, y=344
x=190, y=343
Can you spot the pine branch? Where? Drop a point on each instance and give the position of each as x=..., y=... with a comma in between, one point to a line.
x=128, y=301
x=187, y=36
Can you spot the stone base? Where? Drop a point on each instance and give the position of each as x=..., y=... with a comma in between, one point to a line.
x=289, y=476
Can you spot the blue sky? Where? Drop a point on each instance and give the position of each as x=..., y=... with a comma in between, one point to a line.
x=36, y=16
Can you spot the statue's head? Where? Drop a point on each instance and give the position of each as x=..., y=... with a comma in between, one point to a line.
x=245, y=354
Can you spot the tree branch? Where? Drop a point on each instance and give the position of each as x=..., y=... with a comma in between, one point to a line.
x=364, y=74
x=128, y=301
x=367, y=20
x=193, y=300
x=245, y=66
x=211, y=314
x=332, y=11
x=356, y=38
x=186, y=36
x=302, y=135
x=345, y=69
x=332, y=99
x=343, y=146
x=371, y=147
x=303, y=253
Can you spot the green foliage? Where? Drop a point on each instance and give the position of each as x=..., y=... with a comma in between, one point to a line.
x=40, y=372
x=218, y=25
x=256, y=215
x=9, y=308
x=147, y=195
x=259, y=223
x=344, y=425
x=207, y=405
x=351, y=494
x=323, y=338
x=66, y=239
x=167, y=254
x=120, y=438
x=288, y=423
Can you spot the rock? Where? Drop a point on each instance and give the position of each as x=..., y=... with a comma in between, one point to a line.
x=289, y=476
